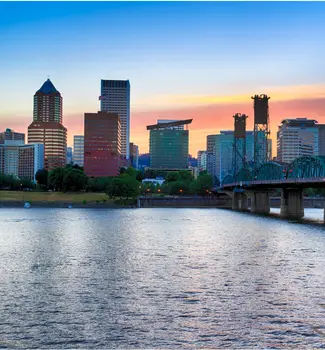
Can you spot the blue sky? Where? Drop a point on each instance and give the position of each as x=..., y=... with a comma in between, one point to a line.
x=166, y=49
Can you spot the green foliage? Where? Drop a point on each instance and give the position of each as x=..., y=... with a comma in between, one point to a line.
x=203, y=184
x=179, y=187
x=55, y=179
x=99, y=184
x=67, y=179
x=74, y=180
x=9, y=182
x=172, y=176
x=25, y=182
x=124, y=186
x=42, y=177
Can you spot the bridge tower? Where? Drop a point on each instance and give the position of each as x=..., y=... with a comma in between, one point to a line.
x=239, y=145
x=261, y=129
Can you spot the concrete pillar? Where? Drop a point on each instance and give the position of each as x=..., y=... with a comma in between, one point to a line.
x=239, y=201
x=260, y=202
x=292, y=203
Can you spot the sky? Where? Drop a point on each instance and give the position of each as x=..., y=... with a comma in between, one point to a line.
x=200, y=60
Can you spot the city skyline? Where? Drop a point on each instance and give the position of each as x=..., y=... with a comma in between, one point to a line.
x=203, y=68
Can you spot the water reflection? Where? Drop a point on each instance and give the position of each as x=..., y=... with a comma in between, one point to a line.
x=159, y=278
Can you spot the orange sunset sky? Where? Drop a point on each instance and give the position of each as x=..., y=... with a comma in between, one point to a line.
x=180, y=65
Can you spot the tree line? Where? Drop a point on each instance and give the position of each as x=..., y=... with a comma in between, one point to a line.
x=128, y=184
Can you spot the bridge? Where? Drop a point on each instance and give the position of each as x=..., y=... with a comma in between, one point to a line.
x=255, y=184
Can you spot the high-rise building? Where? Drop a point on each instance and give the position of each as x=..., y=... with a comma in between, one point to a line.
x=115, y=98
x=202, y=160
x=47, y=104
x=9, y=134
x=78, y=150
x=321, y=139
x=102, y=144
x=20, y=160
x=164, y=121
x=69, y=155
x=211, y=155
x=220, y=164
x=47, y=127
x=169, y=145
x=54, y=138
x=134, y=155
x=296, y=138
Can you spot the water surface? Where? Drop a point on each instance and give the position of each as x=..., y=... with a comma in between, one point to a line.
x=159, y=278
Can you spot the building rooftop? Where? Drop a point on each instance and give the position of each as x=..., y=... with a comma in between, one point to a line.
x=300, y=122
x=48, y=88
x=169, y=124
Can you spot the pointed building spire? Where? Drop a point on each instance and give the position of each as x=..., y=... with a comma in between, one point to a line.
x=48, y=88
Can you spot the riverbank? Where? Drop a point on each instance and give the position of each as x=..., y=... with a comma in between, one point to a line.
x=17, y=199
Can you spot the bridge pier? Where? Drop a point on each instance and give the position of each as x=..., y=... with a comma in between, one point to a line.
x=239, y=201
x=260, y=202
x=292, y=203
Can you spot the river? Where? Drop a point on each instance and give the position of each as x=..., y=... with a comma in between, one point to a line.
x=160, y=278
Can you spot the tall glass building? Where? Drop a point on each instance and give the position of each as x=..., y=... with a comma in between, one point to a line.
x=221, y=153
x=169, y=145
x=115, y=98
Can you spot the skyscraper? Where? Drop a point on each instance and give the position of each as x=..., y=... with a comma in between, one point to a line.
x=220, y=151
x=296, y=138
x=202, y=160
x=47, y=127
x=115, y=98
x=78, y=150
x=169, y=145
x=47, y=104
x=102, y=155
x=134, y=155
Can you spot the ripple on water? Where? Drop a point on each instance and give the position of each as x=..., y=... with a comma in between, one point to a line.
x=159, y=278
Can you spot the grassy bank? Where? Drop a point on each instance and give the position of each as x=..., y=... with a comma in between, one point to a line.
x=54, y=197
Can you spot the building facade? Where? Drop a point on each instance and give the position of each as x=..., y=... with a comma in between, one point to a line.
x=47, y=127
x=202, y=160
x=54, y=138
x=134, y=155
x=20, y=160
x=102, y=144
x=221, y=153
x=296, y=138
x=115, y=98
x=47, y=104
x=211, y=155
x=69, y=155
x=321, y=139
x=78, y=150
x=10, y=135
x=168, y=145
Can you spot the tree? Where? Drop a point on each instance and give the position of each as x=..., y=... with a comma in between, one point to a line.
x=172, y=176
x=55, y=179
x=9, y=182
x=179, y=188
x=203, y=184
x=131, y=172
x=25, y=182
x=42, y=177
x=74, y=180
x=99, y=184
x=124, y=186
